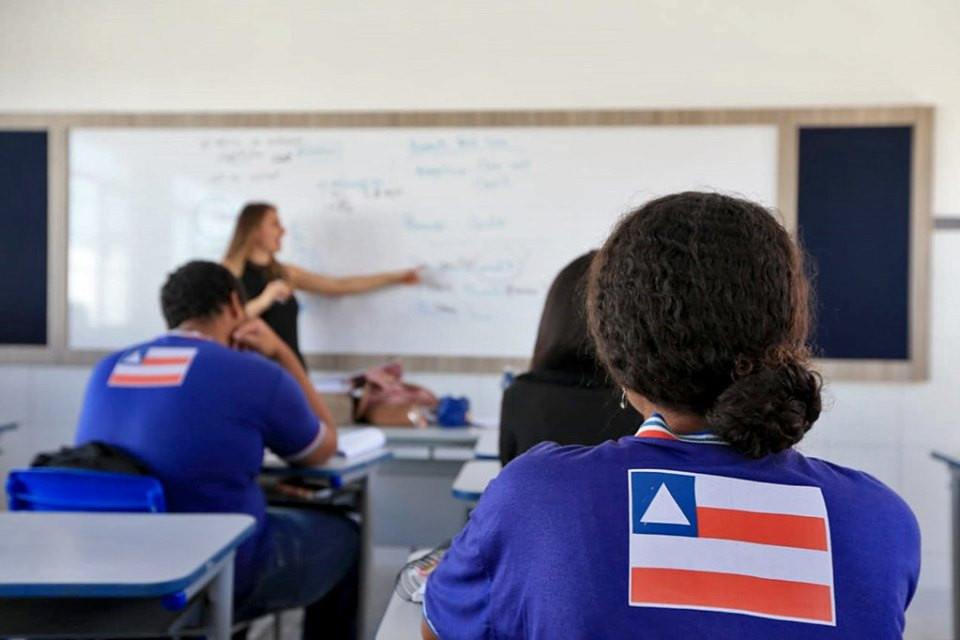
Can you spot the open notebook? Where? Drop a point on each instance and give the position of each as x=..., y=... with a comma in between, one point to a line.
x=357, y=442
x=350, y=445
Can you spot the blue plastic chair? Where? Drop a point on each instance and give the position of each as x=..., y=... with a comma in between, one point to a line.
x=53, y=489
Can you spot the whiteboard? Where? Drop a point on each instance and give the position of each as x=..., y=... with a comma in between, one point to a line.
x=493, y=213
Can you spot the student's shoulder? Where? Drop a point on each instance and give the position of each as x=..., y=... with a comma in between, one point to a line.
x=243, y=364
x=206, y=355
x=860, y=489
x=555, y=465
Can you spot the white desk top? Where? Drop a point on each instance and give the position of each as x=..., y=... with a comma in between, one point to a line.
x=474, y=478
x=401, y=620
x=488, y=446
x=110, y=554
x=430, y=435
x=333, y=467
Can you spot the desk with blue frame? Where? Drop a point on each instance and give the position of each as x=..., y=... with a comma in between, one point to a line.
x=953, y=464
x=98, y=575
x=340, y=483
x=6, y=427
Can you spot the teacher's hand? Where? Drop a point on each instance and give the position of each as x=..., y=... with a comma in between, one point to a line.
x=410, y=276
x=278, y=291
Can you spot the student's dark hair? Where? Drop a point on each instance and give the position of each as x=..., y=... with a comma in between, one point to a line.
x=563, y=342
x=699, y=302
x=198, y=289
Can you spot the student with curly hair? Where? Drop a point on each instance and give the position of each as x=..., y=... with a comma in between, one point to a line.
x=707, y=522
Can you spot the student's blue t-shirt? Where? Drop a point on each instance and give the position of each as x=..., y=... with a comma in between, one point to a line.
x=656, y=537
x=199, y=416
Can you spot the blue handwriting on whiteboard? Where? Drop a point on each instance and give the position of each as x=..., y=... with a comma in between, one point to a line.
x=432, y=145
x=495, y=182
x=487, y=223
x=322, y=150
x=414, y=224
x=352, y=184
x=440, y=171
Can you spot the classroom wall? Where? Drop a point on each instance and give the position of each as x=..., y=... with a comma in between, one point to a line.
x=219, y=55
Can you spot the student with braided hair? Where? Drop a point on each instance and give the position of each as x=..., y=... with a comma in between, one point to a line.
x=706, y=522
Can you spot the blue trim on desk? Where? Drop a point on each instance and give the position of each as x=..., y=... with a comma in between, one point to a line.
x=122, y=590
x=325, y=472
x=471, y=496
x=485, y=456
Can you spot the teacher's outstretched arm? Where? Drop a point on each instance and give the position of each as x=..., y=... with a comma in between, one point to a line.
x=326, y=285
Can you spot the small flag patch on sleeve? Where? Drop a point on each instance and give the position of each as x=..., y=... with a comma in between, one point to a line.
x=710, y=542
x=156, y=367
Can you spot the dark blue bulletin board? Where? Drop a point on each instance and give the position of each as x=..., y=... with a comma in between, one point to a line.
x=853, y=217
x=23, y=237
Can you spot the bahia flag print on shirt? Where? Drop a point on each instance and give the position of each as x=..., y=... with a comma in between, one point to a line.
x=158, y=367
x=709, y=542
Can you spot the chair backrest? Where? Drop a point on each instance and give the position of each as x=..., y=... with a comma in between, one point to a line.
x=52, y=489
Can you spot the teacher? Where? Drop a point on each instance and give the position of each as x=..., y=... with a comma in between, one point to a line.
x=269, y=285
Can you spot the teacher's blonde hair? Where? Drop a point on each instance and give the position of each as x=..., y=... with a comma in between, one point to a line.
x=249, y=220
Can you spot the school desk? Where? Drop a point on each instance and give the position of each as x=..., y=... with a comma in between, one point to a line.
x=488, y=446
x=401, y=620
x=358, y=472
x=116, y=574
x=5, y=427
x=432, y=443
x=953, y=464
x=474, y=478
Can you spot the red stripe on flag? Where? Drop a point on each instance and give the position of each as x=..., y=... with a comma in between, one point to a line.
x=159, y=361
x=784, y=530
x=695, y=589
x=138, y=380
x=653, y=433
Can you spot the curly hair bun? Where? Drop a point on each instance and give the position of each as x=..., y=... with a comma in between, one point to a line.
x=768, y=410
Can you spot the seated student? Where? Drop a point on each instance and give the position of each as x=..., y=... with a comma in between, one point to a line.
x=707, y=523
x=198, y=412
x=566, y=396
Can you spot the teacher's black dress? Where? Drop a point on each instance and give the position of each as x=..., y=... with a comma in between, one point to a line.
x=281, y=316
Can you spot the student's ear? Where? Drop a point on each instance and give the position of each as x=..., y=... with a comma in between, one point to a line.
x=236, y=308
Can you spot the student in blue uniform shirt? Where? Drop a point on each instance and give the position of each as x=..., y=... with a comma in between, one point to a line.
x=198, y=411
x=706, y=523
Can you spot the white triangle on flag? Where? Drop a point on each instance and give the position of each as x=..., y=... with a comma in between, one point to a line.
x=133, y=358
x=663, y=509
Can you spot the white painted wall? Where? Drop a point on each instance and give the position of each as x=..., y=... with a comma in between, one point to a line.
x=220, y=55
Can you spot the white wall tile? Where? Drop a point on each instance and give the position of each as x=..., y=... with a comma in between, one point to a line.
x=945, y=292
x=862, y=413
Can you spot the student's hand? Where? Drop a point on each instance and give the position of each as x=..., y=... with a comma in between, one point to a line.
x=278, y=291
x=256, y=335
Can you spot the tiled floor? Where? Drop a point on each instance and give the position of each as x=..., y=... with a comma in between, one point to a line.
x=387, y=562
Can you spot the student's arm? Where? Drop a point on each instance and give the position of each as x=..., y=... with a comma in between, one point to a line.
x=275, y=291
x=318, y=283
x=425, y=631
x=255, y=334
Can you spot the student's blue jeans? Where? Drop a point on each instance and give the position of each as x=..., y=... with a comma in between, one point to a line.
x=313, y=564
